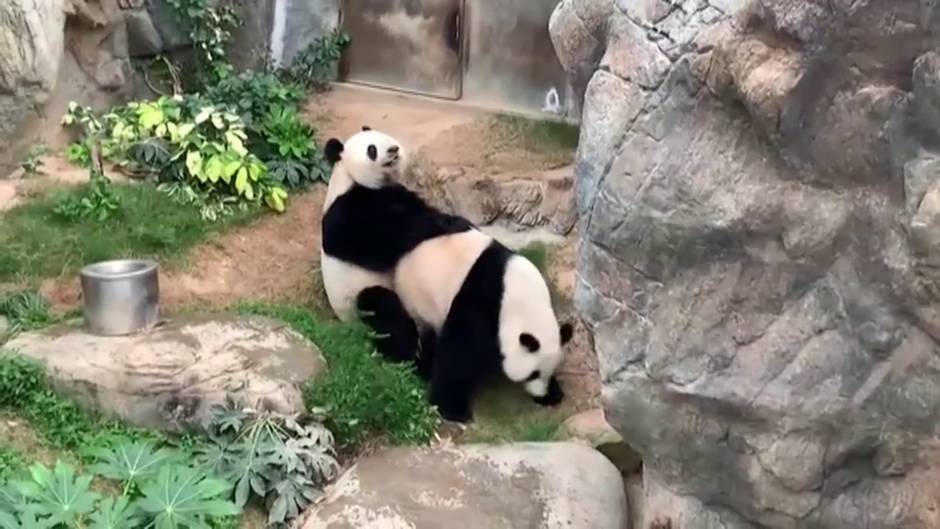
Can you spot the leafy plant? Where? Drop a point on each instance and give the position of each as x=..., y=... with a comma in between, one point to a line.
x=98, y=201
x=24, y=310
x=57, y=496
x=183, y=497
x=131, y=462
x=284, y=460
x=283, y=129
x=182, y=139
x=362, y=395
x=209, y=26
x=79, y=154
x=33, y=161
x=313, y=67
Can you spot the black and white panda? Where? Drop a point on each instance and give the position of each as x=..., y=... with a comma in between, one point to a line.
x=481, y=309
x=369, y=222
x=400, y=264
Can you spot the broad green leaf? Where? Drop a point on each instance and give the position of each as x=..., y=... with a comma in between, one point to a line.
x=249, y=192
x=235, y=143
x=255, y=170
x=150, y=116
x=241, y=181
x=217, y=121
x=114, y=515
x=25, y=520
x=161, y=130
x=181, y=497
x=131, y=461
x=214, y=169
x=230, y=169
x=185, y=129
x=203, y=115
x=59, y=495
x=194, y=164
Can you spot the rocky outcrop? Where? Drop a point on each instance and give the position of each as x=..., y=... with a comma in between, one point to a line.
x=758, y=191
x=51, y=53
x=520, y=486
x=171, y=377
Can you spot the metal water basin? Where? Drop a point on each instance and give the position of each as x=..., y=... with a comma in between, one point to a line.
x=120, y=297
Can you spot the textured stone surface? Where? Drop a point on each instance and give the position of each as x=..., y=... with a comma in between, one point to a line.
x=591, y=428
x=171, y=377
x=31, y=46
x=759, y=197
x=522, y=486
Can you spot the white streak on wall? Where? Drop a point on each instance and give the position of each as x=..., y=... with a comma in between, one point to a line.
x=277, y=32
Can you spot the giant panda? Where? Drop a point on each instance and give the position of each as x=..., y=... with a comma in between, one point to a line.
x=404, y=267
x=369, y=222
x=481, y=308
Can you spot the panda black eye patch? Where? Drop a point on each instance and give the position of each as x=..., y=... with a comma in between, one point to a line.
x=529, y=342
x=535, y=375
x=372, y=152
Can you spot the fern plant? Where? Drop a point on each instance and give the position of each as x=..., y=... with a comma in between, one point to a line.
x=281, y=459
x=159, y=492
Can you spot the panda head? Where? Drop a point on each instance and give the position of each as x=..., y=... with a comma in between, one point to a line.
x=531, y=340
x=370, y=158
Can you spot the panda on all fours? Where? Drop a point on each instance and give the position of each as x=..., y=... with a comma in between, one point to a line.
x=410, y=270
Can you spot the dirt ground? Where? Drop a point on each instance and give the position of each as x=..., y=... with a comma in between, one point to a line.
x=276, y=258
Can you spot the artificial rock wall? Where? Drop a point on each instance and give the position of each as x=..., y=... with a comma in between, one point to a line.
x=758, y=189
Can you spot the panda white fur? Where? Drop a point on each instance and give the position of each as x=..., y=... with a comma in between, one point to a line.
x=369, y=222
x=481, y=308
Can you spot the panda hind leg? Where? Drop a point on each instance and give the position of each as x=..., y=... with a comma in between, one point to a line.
x=396, y=333
x=455, y=372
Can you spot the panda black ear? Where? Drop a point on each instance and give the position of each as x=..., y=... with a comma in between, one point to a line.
x=333, y=150
x=567, y=332
x=529, y=342
x=366, y=128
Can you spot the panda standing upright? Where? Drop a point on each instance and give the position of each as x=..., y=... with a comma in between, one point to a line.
x=410, y=269
x=369, y=222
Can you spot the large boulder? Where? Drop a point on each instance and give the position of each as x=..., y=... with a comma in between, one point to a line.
x=31, y=45
x=758, y=190
x=522, y=486
x=171, y=377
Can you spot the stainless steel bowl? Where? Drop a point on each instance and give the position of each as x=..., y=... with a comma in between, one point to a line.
x=120, y=297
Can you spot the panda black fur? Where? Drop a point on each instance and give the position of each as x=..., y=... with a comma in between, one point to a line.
x=481, y=308
x=369, y=222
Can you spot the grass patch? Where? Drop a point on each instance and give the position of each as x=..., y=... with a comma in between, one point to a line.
x=540, y=135
x=38, y=243
x=12, y=462
x=504, y=414
x=25, y=390
x=364, y=396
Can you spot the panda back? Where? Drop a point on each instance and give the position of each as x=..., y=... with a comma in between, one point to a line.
x=429, y=277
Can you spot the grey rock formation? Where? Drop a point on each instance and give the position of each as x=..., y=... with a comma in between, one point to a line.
x=31, y=45
x=171, y=377
x=758, y=191
x=522, y=486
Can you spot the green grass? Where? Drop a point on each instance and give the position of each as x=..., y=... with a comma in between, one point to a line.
x=25, y=391
x=364, y=396
x=12, y=462
x=540, y=135
x=37, y=243
x=503, y=413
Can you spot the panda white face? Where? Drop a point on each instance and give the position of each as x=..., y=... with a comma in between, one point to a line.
x=530, y=337
x=373, y=159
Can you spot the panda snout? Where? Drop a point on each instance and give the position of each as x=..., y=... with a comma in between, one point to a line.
x=394, y=149
x=392, y=156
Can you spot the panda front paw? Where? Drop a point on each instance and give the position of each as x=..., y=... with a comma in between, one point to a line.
x=553, y=396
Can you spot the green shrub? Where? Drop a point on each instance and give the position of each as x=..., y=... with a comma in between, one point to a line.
x=313, y=67
x=78, y=154
x=32, y=163
x=362, y=395
x=24, y=311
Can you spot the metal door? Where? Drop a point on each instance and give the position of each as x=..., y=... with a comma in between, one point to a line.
x=409, y=45
x=511, y=61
